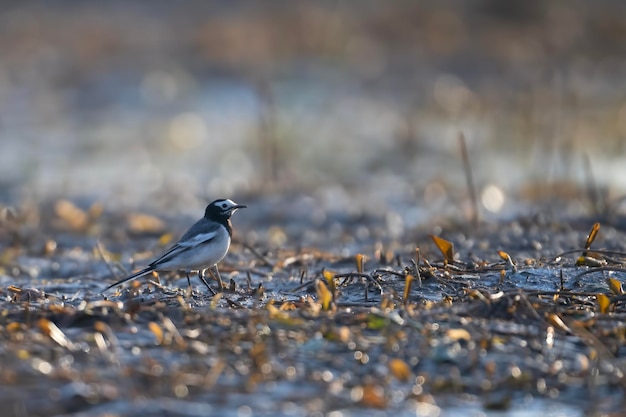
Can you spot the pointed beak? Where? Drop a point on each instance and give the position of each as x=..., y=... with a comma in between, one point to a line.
x=239, y=206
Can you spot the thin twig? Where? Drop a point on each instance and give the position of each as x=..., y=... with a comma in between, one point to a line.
x=105, y=258
x=470, y=180
x=360, y=275
x=260, y=256
x=593, y=191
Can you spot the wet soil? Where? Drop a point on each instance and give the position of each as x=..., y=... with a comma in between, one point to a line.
x=306, y=329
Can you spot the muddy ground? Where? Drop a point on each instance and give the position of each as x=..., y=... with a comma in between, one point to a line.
x=304, y=329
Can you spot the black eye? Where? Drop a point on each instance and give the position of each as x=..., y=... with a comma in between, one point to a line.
x=224, y=205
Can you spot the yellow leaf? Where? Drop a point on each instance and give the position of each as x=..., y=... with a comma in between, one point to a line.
x=157, y=331
x=275, y=312
x=505, y=256
x=216, y=299
x=556, y=321
x=72, y=215
x=459, y=334
x=445, y=247
x=407, y=287
x=288, y=306
x=400, y=369
x=324, y=295
x=386, y=303
x=360, y=260
x=14, y=327
x=588, y=260
x=615, y=286
x=165, y=239
x=101, y=327
x=604, y=302
x=373, y=396
x=144, y=223
x=329, y=276
x=592, y=235
x=53, y=332
x=282, y=316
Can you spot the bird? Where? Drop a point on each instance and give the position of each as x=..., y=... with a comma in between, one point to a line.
x=202, y=247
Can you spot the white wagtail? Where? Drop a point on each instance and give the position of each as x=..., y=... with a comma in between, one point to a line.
x=201, y=247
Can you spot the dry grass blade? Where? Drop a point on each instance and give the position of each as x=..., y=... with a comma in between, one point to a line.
x=615, y=286
x=591, y=236
x=604, y=353
x=324, y=294
x=358, y=275
x=258, y=255
x=471, y=188
x=360, y=261
x=168, y=324
x=603, y=302
x=445, y=247
x=53, y=332
x=407, y=288
x=509, y=262
x=106, y=260
x=157, y=331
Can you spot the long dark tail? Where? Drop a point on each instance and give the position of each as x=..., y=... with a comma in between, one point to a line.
x=129, y=278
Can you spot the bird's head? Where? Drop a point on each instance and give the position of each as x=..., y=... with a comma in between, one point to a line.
x=223, y=208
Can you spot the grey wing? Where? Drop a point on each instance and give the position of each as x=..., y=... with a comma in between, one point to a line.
x=201, y=227
x=200, y=233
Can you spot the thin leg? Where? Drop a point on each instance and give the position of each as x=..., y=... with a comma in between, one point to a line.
x=201, y=276
x=189, y=287
x=217, y=276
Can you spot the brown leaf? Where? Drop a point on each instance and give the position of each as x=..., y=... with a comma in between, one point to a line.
x=615, y=286
x=374, y=396
x=592, y=235
x=157, y=331
x=53, y=332
x=360, y=260
x=324, y=294
x=408, y=280
x=400, y=369
x=459, y=334
x=445, y=247
x=603, y=302
x=76, y=218
x=144, y=223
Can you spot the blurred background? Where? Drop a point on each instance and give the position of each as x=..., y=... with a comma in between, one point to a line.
x=355, y=106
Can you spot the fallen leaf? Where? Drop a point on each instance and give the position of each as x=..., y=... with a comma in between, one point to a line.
x=374, y=396
x=157, y=331
x=603, y=302
x=324, y=294
x=445, y=247
x=408, y=280
x=400, y=369
x=459, y=334
x=615, y=286
x=144, y=223
x=360, y=260
x=53, y=332
x=592, y=235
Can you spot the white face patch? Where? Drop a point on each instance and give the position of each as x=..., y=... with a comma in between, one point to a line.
x=226, y=205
